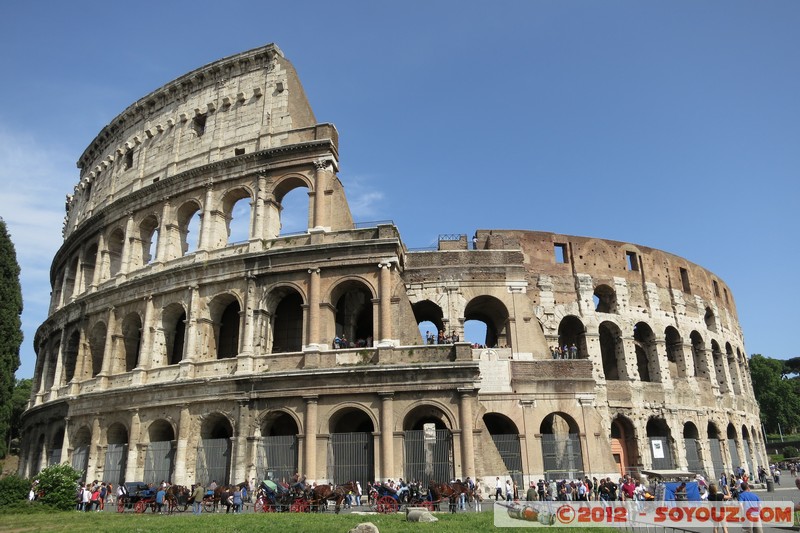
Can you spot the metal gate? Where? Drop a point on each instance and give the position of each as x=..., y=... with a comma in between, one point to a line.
x=747, y=459
x=661, y=453
x=116, y=460
x=80, y=460
x=562, y=456
x=509, y=449
x=429, y=459
x=693, y=460
x=351, y=458
x=735, y=461
x=55, y=457
x=716, y=457
x=214, y=461
x=158, y=461
x=277, y=458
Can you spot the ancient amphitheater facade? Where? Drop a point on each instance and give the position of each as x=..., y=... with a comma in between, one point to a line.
x=175, y=351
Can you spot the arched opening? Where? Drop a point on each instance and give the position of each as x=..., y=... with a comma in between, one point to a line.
x=733, y=451
x=694, y=455
x=430, y=320
x=214, y=450
x=733, y=369
x=148, y=236
x=88, y=265
x=505, y=437
x=55, y=448
x=71, y=356
x=131, y=339
x=710, y=320
x=225, y=316
x=605, y=299
x=624, y=446
x=350, y=448
x=159, y=456
x=746, y=447
x=80, y=450
x=236, y=206
x=428, y=445
x=646, y=353
x=116, y=454
x=715, y=447
x=97, y=347
x=277, y=453
x=674, y=345
x=173, y=322
x=189, y=227
x=287, y=323
x=292, y=213
x=572, y=338
x=561, y=447
x=720, y=362
x=116, y=243
x=659, y=435
x=70, y=273
x=354, y=320
x=699, y=356
x=36, y=458
x=56, y=297
x=611, y=350
x=494, y=314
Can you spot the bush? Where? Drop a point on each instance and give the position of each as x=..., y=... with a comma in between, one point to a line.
x=13, y=489
x=59, y=484
x=790, y=452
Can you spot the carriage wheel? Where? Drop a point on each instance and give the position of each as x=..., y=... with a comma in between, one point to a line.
x=208, y=506
x=300, y=506
x=140, y=507
x=120, y=505
x=260, y=506
x=427, y=504
x=387, y=505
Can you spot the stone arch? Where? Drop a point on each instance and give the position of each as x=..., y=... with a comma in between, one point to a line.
x=624, y=445
x=188, y=217
x=70, y=279
x=237, y=209
x=699, y=355
x=691, y=443
x=36, y=457
x=173, y=324
x=351, y=446
x=148, y=240
x=160, y=452
x=733, y=450
x=352, y=299
x=284, y=189
x=499, y=424
x=715, y=447
x=504, y=435
x=561, y=446
x=279, y=423
x=352, y=418
x=58, y=285
x=56, y=445
x=97, y=346
x=225, y=314
x=572, y=332
x=605, y=299
x=426, y=312
x=710, y=319
x=117, y=433
x=612, y=350
x=216, y=425
x=116, y=459
x=428, y=442
x=720, y=364
x=71, y=352
x=282, y=331
x=747, y=446
x=81, y=441
x=661, y=448
x=733, y=369
x=132, y=340
x=675, y=359
x=428, y=411
x=494, y=313
x=115, y=245
x=88, y=264
x=277, y=456
x=646, y=353
x=160, y=430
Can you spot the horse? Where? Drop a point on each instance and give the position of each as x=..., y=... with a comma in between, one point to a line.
x=224, y=494
x=323, y=493
x=177, y=497
x=451, y=491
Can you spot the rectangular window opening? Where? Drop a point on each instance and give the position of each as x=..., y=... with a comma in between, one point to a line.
x=632, y=261
x=238, y=151
x=725, y=291
x=716, y=288
x=156, y=179
x=561, y=253
x=128, y=159
x=685, y=280
x=199, y=124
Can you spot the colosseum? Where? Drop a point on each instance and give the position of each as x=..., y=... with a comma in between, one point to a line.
x=174, y=350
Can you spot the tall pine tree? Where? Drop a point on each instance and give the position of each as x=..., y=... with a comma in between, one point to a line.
x=10, y=330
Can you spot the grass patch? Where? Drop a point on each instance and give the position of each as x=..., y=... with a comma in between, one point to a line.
x=244, y=523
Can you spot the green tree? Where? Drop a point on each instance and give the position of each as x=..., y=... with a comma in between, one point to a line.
x=13, y=489
x=776, y=394
x=59, y=485
x=10, y=329
x=19, y=402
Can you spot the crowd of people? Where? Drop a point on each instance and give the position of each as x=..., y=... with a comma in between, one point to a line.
x=564, y=352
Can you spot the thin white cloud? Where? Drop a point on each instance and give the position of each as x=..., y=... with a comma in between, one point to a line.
x=35, y=179
x=364, y=198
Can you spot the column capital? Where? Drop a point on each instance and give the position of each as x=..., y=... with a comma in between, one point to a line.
x=313, y=270
x=311, y=399
x=386, y=395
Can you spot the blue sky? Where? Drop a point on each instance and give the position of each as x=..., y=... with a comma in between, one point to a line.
x=674, y=125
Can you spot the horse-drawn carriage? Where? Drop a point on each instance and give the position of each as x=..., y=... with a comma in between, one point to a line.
x=278, y=497
x=387, y=500
x=138, y=496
